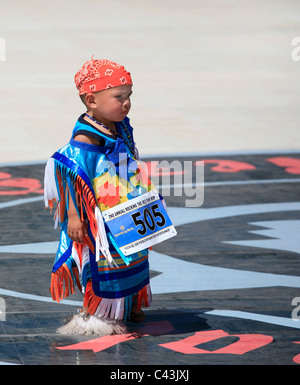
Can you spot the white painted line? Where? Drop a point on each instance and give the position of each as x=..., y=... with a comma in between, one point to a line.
x=32, y=297
x=181, y=215
x=231, y=183
x=281, y=321
x=31, y=248
x=178, y=276
x=17, y=202
x=7, y=363
x=29, y=163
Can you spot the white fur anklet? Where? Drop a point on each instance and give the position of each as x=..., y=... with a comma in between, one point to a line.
x=91, y=325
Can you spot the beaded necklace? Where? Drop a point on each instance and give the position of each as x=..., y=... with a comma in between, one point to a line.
x=101, y=124
x=127, y=137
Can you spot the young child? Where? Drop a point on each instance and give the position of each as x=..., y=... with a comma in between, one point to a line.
x=108, y=210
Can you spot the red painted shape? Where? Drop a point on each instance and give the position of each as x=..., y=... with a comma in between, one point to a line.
x=99, y=344
x=105, y=342
x=18, y=186
x=4, y=175
x=297, y=357
x=156, y=168
x=291, y=165
x=246, y=343
x=224, y=165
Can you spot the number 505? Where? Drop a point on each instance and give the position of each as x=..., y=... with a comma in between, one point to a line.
x=148, y=219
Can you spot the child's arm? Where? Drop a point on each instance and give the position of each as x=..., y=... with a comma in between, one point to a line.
x=76, y=228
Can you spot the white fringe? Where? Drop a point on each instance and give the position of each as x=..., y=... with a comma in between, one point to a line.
x=85, y=255
x=101, y=239
x=136, y=153
x=51, y=193
x=112, y=308
x=115, y=308
x=85, y=258
x=149, y=293
x=92, y=325
x=50, y=190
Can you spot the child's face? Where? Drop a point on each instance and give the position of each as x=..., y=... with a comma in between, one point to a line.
x=112, y=104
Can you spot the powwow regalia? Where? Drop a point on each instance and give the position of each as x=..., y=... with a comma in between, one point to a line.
x=113, y=195
x=109, y=182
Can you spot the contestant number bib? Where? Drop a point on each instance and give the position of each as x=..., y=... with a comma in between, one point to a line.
x=139, y=223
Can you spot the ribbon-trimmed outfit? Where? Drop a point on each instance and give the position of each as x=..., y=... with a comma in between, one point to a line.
x=97, y=178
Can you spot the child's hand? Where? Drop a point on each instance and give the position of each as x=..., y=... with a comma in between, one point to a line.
x=76, y=229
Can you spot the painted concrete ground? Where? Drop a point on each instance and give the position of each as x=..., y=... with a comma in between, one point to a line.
x=226, y=289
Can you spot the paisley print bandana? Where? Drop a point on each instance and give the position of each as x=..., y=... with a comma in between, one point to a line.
x=98, y=75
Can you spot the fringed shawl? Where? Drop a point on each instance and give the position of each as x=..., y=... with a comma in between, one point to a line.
x=97, y=178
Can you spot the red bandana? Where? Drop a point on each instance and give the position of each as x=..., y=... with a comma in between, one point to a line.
x=98, y=75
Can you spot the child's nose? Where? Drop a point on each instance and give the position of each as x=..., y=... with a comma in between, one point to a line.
x=126, y=103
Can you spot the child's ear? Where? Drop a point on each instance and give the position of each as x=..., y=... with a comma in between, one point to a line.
x=90, y=100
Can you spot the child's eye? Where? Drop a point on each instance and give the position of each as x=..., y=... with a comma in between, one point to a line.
x=122, y=97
